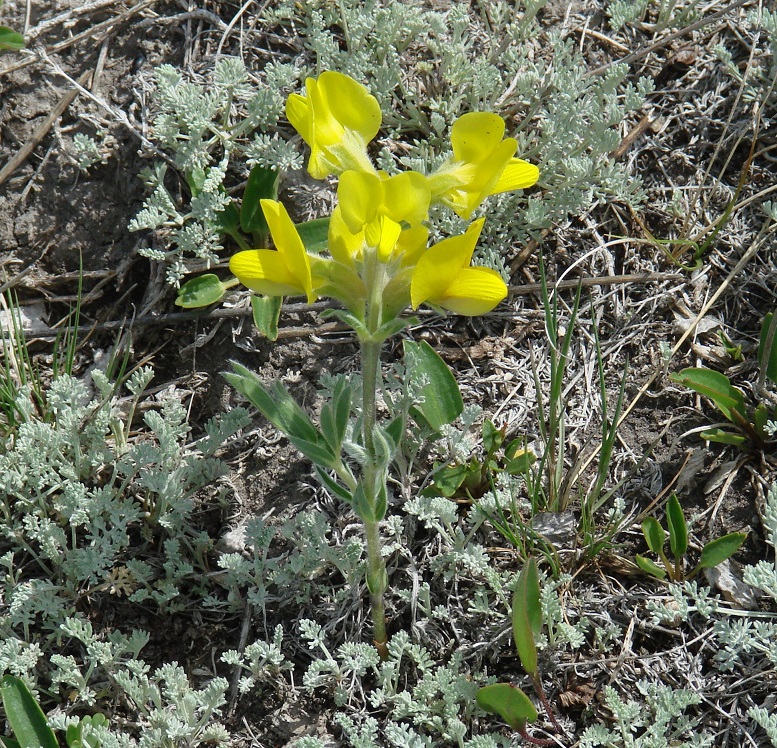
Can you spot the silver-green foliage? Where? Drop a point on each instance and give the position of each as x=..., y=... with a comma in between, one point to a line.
x=751, y=639
x=658, y=720
x=206, y=128
x=85, y=512
x=427, y=67
x=757, y=79
x=74, y=494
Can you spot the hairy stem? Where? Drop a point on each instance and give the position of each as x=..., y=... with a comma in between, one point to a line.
x=377, y=578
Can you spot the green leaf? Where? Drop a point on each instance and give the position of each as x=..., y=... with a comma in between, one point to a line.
x=335, y=413
x=442, y=398
x=333, y=486
x=716, y=387
x=196, y=180
x=267, y=311
x=202, y=291
x=655, y=535
x=278, y=407
x=521, y=462
x=314, y=234
x=493, y=437
x=760, y=419
x=362, y=506
x=770, y=359
x=719, y=436
x=509, y=702
x=527, y=615
x=448, y=479
x=262, y=185
x=649, y=567
x=9, y=39
x=24, y=715
x=228, y=220
x=396, y=430
x=718, y=550
x=678, y=530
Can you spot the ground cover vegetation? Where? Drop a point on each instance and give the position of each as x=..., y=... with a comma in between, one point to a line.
x=468, y=489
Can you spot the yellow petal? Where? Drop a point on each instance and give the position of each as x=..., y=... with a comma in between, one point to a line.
x=299, y=115
x=264, y=271
x=412, y=244
x=344, y=246
x=326, y=128
x=389, y=234
x=406, y=197
x=475, y=135
x=359, y=196
x=475, y=291
x=350, y=103
x=439, y=266
x=518, y=175
x=289, y=244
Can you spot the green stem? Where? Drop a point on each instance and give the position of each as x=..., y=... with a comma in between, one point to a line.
x=374, y=473
x=377, y=578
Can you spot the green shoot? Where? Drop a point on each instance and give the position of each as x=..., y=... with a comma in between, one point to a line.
x=713, y=553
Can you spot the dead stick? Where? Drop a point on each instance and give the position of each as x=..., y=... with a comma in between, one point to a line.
x=605, y=280
x=40, y=132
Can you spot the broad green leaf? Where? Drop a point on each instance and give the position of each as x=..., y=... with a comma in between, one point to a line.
x=493, y=437
x=202, y=291
x=314, y=234
x=718, y=550
x=9, y=742
x=262, y=185
x=520, y=462
x=24, y=715
x=448, y=479
x=396, y=430
x=9, y=39
x=770, y=359
x=228, y=220
x=442, y=398
x=509, y=702
x=678, y=530
x=649, y=567
x=527, y=615
x=392, y=327
x=719, y=436
x=317, y=452
x=716, y=387
x=196, y=180
x=655, y=535
x=267, y=311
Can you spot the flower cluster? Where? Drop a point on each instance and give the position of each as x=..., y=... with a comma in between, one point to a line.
x=378, y=259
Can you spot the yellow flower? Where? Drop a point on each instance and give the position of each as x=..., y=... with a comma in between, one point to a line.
x=284, y=271
x=443, y=277
x=337, y=119
x=482, y=164
x=378, y=206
